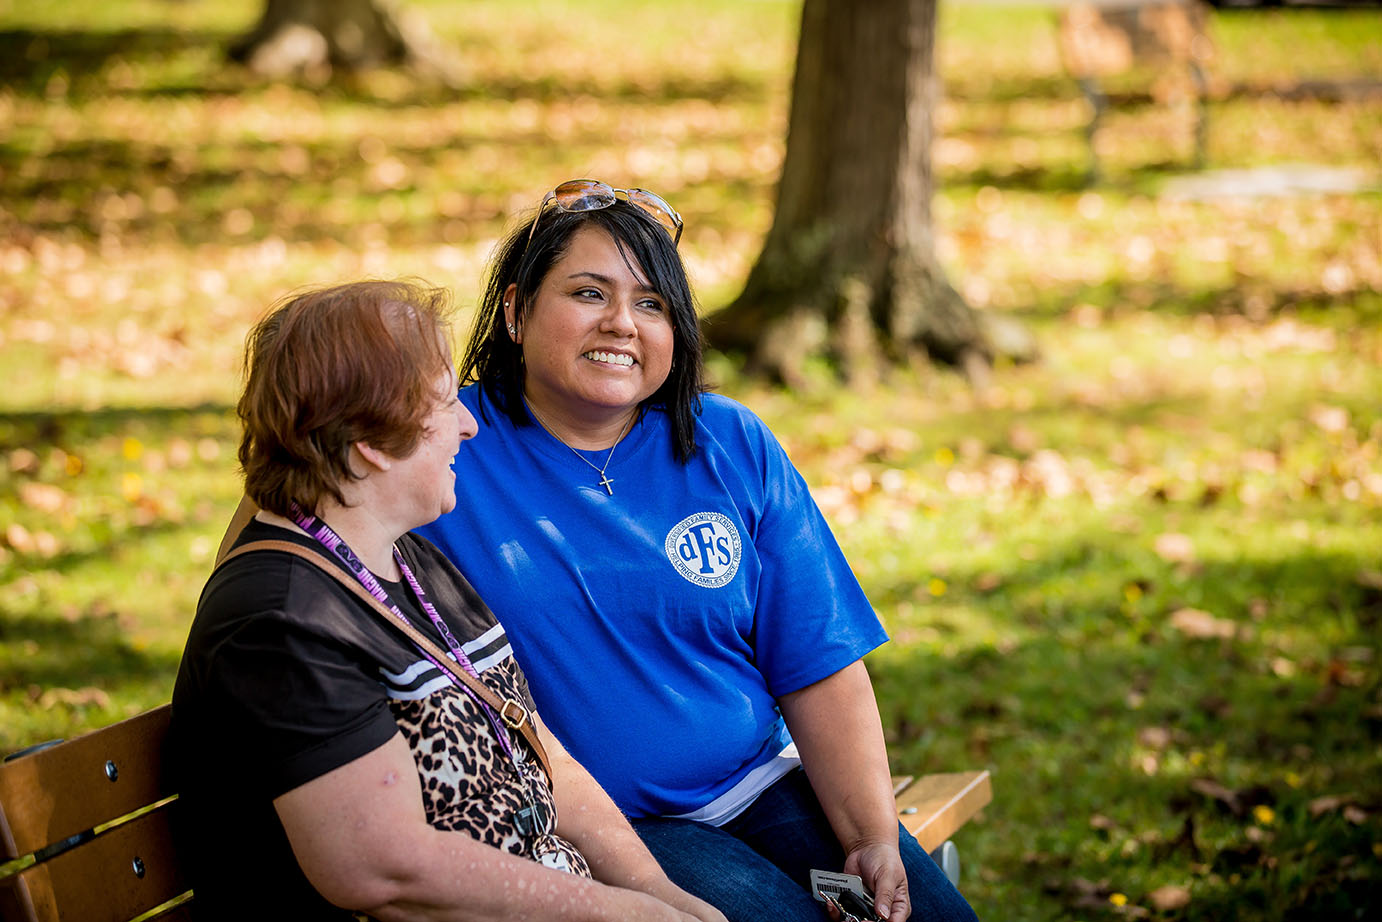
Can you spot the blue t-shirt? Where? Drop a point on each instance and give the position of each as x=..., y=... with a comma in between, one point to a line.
x=658, y=625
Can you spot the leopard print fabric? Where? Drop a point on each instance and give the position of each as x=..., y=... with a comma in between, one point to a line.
x=469, y=784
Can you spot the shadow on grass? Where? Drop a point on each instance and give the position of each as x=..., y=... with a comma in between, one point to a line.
x=1125, y=751
x=291, y=191
x=1066, y=177
x=111, y=543
x=1356, y=306
x=24, y=427
x=1077, y=588
x=95, y=438
x=76, y=652
x=29, y=59
x=1093, y=795
x=1084, y=652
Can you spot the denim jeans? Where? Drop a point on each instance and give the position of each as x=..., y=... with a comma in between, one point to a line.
x=757, y=866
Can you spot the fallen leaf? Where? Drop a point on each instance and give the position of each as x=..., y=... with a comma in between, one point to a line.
x=179, y=453
x=23, y=461
x=46, y=543
x=1236, y=802
x=1023, y=439
x=1154, y=737
x=1173, y=547
x=74, y=697
x=18, y=537
x=1341, y=672
x=1192, y=622
x=1216, y=791
x=1086, y=887
x=1169, y=897
x=42, y=496
x=1329, y=419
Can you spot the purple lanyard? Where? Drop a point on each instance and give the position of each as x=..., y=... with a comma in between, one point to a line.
x=333, y=542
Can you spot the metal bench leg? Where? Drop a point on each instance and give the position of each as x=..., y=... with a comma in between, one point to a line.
x=1098, y=103
x=947, y=857
x=1201, y=81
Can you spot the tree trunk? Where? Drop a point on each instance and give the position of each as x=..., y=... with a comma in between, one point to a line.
x=321, y=37
x=849, y=268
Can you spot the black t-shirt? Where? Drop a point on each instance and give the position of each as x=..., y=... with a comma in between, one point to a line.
x=286, y=676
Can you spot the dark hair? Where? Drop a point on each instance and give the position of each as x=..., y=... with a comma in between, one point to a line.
x=331, y=367
x=494, y=360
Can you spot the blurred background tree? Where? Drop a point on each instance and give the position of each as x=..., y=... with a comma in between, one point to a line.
x=849, y=269
x=317, y=38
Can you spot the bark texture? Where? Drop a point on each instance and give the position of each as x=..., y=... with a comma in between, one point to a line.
x=849, y=268
x=319, y=38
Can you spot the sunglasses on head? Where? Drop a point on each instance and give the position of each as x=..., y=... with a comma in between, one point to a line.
x=576, y=195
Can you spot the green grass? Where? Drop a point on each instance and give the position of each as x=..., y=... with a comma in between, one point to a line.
x=1203, y=432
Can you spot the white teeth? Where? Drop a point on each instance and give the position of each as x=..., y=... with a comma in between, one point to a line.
x=611, y=358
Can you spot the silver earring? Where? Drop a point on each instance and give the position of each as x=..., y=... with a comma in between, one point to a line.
x=513, y=330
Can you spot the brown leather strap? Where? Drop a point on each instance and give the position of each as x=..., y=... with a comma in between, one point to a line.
x=238, y=520
x=510, y=710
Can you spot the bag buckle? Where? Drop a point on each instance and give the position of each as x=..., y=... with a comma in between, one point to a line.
x=513, y=719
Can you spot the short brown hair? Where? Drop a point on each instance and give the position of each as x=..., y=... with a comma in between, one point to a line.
x=330, y=367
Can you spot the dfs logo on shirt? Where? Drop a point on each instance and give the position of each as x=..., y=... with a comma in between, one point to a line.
x=705, y=549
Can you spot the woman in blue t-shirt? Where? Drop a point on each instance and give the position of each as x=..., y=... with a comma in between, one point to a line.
x=688, y=624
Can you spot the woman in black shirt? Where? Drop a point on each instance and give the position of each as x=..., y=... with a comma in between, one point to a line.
x=314, y=736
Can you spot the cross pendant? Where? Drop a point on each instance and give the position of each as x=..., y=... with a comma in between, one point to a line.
x=605, y=482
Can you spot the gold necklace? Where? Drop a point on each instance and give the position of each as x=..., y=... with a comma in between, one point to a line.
x=605, y=481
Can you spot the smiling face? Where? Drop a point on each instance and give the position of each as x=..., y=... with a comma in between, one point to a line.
x=597, y=341
x=423, y=482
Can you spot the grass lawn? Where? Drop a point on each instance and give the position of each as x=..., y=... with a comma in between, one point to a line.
x=1140, y=580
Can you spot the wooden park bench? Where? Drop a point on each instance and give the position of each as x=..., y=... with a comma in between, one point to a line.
x=86, y=826
x=1100, y=39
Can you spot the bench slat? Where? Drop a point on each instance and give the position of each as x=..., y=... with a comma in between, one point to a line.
x=940, y=804
x=58, y=792
x=96, y=881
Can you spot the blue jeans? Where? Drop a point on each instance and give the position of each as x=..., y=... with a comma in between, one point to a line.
x=758, y=865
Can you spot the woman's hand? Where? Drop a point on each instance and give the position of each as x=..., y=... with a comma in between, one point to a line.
x=880, y=866
x=837, y=731
x=647, y=908
x=695, y=908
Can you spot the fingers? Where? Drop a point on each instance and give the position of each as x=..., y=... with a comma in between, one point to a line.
x=893, y=906
x=899, y=911
x=881, y=868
